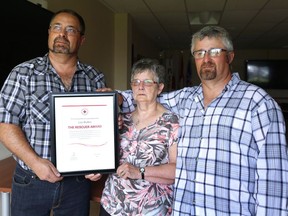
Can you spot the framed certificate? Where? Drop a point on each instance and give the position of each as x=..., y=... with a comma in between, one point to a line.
x=84, y=132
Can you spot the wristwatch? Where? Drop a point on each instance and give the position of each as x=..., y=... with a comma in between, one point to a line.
x=142, y=171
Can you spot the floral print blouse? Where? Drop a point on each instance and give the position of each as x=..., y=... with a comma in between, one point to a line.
x=146, y=147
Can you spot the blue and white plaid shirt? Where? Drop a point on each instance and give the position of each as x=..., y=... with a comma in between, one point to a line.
x=24, y=98
x=232, y=156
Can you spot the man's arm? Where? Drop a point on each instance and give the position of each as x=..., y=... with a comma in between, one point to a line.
x=170, y=100
x=13, y=138
x=271, y=186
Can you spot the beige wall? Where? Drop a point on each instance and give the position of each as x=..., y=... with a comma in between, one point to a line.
x=98, y=48
x=122, y=50
x=4, y=153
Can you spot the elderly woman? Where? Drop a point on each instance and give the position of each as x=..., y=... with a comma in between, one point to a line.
x=143, y=184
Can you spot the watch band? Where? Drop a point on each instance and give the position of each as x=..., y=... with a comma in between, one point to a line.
x=142, y=171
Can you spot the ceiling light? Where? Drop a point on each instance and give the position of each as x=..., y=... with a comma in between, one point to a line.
x=204, y=18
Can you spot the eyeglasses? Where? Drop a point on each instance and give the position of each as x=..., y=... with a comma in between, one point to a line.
x=69, y=30
x=146, y=82
x=214, y=52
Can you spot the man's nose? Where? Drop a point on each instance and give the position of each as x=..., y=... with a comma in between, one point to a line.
x=206, y=57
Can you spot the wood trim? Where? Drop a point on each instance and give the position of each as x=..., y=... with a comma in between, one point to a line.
x=7, y=167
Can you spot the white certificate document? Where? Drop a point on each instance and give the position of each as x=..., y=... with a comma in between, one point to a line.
x=84, y=132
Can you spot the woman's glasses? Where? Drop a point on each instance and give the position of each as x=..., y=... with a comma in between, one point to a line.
x=146, y=82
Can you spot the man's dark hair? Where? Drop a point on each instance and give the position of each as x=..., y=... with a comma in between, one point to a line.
x=75, y=14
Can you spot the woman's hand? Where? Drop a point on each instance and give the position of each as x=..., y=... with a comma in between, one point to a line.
x=128, y=171
x=93, y=177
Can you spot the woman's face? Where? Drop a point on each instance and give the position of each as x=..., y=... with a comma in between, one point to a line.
x=144, y=87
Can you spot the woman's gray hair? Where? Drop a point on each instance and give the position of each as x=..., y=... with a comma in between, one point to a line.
x=152, y=65
x=213, y=32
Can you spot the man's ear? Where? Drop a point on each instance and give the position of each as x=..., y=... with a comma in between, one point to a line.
x=82, y=39
x=230, y=57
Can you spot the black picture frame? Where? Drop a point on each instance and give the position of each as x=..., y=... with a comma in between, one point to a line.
x=84, y=132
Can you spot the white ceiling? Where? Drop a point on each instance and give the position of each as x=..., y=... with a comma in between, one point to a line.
x=255, y=24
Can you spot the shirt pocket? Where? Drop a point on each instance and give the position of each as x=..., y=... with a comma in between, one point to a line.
x=40, y=106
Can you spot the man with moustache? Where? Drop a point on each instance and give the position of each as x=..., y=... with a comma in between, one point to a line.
x=38, y=188
x=232, y=154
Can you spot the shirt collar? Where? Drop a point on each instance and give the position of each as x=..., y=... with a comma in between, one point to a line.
x=79, y=66
x=235, y=79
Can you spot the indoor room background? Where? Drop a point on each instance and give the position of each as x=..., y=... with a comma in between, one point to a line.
x=114, y=41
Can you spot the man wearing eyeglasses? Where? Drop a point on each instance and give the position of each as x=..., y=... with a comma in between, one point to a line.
x=38, y=188
x=232, y=154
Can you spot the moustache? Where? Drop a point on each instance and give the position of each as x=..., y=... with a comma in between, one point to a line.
x=61, y=39
x=207, y=64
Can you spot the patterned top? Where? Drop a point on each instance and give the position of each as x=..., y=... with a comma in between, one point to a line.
x=146, y=147
x=24, y=98
x=232, y=156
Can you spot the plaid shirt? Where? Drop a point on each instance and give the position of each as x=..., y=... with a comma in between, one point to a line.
x=232, y=156
x=24, y=98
